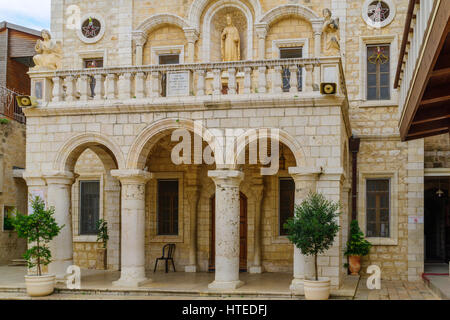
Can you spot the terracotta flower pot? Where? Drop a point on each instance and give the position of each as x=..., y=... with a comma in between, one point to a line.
x=40, y=286
x=317, y=290
x=354, y=264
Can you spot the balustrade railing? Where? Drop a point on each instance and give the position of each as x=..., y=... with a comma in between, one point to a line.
x=184, y=80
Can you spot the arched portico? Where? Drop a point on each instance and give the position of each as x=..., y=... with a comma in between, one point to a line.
x=59, y=191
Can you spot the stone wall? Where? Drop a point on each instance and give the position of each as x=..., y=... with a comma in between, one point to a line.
x=14, y=190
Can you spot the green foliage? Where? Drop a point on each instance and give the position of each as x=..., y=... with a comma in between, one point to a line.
x=102, y=229
x=4, y=121
x=357, y=245
x=7, y=222
x=39, y=228
x=313, y=227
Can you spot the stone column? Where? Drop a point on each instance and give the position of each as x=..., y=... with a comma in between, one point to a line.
x=258, y=193
x=305, y=182
x=139, y=39
x=317, y=27
x=261, y=31
x=227, y=223
x=36, y=185
x=193, y=196
x=192, y=37
x=59, y=186
x=133, y=184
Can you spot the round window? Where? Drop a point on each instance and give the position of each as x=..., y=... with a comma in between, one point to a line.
x=378, y=13
x=91, y=28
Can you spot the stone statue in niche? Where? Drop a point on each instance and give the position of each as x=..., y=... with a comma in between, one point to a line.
x=231, y=42
x=331, y=31
x=49, y=53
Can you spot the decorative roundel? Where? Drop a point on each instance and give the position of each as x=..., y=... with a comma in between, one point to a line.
x=92, y=29
x=378, y=13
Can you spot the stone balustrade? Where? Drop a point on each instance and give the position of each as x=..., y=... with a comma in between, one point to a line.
x=283, y=76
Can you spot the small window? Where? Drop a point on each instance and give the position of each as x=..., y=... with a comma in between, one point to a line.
x=291, y=53
x=378, y=72
x=286, y=202
x=92, y=63
x=167, y=59
x=168, y=207
x=89, y=207
x=7, y=215
x=378, y=208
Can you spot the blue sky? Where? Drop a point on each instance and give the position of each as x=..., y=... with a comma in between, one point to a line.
x=33, y=14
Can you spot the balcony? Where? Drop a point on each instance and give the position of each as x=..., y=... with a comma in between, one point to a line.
x=201, y=84
x=9, y=107
x=423, y=73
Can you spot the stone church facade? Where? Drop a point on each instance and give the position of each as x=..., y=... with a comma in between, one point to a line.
x=102, y=136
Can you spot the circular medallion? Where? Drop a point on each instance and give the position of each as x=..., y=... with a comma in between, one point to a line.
x=378, y=13
x=92, y=29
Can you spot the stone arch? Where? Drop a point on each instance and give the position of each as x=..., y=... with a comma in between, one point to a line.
x=283, y=137
x=145, y=141
x=108, y=151
x=286, y=10
x=155, y=21
x=198, y=6
x=206, y=32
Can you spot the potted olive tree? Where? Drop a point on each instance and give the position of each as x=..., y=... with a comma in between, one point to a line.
x=102, y=238
x=357, y=247
x=39, y=228
x=312, y=230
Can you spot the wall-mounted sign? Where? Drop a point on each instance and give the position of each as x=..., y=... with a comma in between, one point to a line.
x=179, y=83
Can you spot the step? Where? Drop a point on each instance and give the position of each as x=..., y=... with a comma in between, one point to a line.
x=18, y=263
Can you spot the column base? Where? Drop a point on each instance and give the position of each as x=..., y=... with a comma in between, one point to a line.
x=225, y=285
x=59, y=269
x=297, y=286
x=255, y=269
x=190, y=269
x=131, y=283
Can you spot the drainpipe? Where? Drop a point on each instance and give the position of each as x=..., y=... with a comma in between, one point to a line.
x=354, y=149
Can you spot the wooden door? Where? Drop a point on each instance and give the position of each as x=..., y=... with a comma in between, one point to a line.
x=242, y=231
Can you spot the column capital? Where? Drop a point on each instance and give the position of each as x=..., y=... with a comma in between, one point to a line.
x=261, y=30
x=34, y=179
x=139, y=37
x=317, y=25
x=59, y=177
x=304, y=172
x=132, y=176
x=332, y=174
x=191, y=35
x=226, y=178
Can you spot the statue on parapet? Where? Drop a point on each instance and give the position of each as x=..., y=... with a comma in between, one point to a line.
x=49, y=53
x=331, y=31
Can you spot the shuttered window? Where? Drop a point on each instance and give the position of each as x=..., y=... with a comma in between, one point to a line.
x=378, y=72
x=168, y=207
x=378, y=208
x=286, y=202
x=89, y=206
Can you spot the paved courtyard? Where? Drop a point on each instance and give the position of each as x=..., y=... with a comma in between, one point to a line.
x=185, y=286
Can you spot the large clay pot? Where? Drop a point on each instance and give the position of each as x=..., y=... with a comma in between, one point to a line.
x=40, y=286
x=354, y=263
x=317, y=290
x=101, y=259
